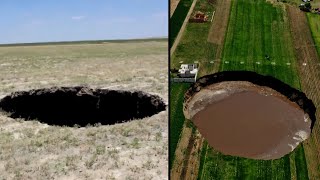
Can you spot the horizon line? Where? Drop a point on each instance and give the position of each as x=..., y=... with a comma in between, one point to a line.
x=84, y=41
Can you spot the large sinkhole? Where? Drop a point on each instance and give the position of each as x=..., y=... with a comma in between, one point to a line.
x=249, y=115
x=70, y=106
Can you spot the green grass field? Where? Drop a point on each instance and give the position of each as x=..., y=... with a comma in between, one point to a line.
x=314, y=23
x=177, y=19
x=251, y=36
x=255, y=29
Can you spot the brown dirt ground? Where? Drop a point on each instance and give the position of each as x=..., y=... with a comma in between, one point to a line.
x=178, y=163
x=220, y=22
x=173, y=6
x=217, y=32
x=194, y=158
x=187, y=155
x=310, y=80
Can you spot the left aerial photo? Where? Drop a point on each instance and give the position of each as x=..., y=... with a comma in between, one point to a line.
x=84, y=89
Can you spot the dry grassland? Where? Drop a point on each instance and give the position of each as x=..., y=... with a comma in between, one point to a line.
x=133, y=150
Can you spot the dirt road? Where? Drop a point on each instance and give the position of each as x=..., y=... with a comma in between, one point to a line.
x=309, y=70
x=220, y=22
x=192, y=169
x=180, y=154
x=218, y=31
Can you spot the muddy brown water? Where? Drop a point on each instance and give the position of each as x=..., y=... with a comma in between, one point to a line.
x=252, y=125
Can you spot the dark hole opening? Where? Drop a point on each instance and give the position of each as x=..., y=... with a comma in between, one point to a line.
x=70, y=106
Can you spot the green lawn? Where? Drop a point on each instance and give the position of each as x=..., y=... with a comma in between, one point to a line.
x=193, y=46
x=314, y=23
x=257, y=29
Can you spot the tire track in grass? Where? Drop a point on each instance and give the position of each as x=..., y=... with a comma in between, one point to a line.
x=251, y=40
x=258, y=30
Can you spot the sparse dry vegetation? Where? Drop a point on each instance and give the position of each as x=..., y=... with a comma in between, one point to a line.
x=132, y=150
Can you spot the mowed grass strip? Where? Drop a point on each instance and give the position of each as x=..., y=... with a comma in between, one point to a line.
x=257, y=28
x=177, y=19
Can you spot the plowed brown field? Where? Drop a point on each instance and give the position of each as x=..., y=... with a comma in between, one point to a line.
x=310, y=80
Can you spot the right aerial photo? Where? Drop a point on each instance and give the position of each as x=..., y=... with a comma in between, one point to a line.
x=244, y=89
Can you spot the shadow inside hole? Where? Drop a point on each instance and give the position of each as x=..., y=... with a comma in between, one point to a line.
x=70, y=106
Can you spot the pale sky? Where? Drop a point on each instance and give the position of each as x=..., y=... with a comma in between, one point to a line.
x=71, y=20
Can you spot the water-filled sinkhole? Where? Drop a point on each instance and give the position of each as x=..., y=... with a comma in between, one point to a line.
x=70, y=106
x=245, y=114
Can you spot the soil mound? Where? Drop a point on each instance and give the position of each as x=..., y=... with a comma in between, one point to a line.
x=69, y=106
x=249, y=115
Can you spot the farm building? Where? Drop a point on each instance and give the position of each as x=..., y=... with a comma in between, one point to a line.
x=186, y=73
x=199, y=17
